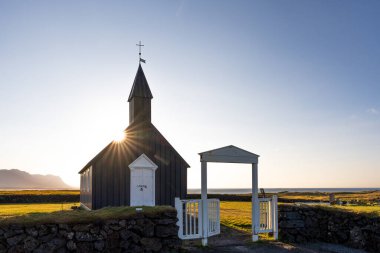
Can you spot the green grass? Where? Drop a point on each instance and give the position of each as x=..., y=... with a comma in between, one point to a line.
x=39, y=192
x=238, y=215
x=371, y=211
x=52, y=213
x=233, y=214
x=12, y=210
x=366, y=196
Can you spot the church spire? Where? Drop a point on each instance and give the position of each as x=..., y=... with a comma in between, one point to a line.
x=140, y=97
x=140, y=86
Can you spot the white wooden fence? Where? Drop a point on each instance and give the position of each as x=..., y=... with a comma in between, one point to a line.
x=213, y=216
x=190, y=217
x=269, y=216
x=189, y=213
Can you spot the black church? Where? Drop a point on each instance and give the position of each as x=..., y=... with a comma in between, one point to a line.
x=141, y=170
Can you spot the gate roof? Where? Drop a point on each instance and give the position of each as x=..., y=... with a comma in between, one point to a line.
x=229, y=154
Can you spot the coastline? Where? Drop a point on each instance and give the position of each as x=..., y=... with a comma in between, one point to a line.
x=277, y=190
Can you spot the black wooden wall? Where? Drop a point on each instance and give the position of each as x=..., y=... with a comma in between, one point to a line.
x=86, y=187
x=111, y=174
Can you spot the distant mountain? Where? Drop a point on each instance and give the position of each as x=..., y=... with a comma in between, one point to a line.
x=18, y=179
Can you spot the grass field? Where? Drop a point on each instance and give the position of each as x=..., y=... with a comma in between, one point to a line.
x=11, y=210
x=58, y=213
x=373, y=211
x=366, y=196
x=39, y=192
x=233, y=214
x=238, y=215
x=363, y=198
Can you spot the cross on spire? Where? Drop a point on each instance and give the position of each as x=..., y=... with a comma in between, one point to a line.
x=140, y=45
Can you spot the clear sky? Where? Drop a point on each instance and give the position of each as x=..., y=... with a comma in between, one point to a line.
x=297, y=82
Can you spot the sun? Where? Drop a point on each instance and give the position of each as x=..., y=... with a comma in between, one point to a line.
x=120, y=136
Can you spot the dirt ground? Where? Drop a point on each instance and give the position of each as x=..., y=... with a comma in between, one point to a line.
x=231, y=240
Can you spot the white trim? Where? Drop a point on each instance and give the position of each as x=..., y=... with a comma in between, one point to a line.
x=229, y=154
x=275, y=216
x=143, y=162
x=255, y=204
x=204, y=203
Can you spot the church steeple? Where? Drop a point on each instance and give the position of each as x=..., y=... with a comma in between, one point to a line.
x=140, y=99
x=140, y=86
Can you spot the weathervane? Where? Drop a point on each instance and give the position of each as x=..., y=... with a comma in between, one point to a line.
x=140, y=45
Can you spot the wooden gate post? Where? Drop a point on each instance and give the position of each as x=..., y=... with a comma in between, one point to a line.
x=255, y=204
x=275, y=216
x=204, y=203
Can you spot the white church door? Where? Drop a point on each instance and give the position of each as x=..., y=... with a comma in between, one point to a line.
x=142, y=184
x=142, y=192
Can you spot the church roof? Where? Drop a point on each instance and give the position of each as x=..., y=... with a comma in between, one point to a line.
x=141, y=138
x=140, y=86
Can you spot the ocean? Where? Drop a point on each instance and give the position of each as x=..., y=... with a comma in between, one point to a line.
x=276, y=190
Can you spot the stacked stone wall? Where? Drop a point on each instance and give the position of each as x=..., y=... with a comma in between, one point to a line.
x=139, y=233
x=304, y=223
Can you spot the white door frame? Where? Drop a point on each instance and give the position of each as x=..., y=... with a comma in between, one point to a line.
x=143, y=162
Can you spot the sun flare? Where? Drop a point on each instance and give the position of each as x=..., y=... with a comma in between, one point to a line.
x=120, y=136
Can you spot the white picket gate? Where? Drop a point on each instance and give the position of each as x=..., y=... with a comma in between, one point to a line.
x=189, y=213
x=190, y=217
x=213, y=217
x=268, y=215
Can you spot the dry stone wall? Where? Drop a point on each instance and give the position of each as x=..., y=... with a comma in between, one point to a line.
x=139, y=233
x=303, y=223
